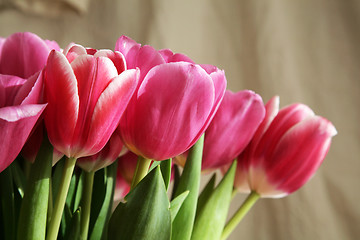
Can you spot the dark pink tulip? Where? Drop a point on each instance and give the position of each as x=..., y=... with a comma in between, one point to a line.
x=174, y=104
x=286, y=151
x=232, y=128
x=19, y=112
x=24, y=53
x=112, y=150
x=87, y=92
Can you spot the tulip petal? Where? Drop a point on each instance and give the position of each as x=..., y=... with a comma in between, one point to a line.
x=63, y=102
x=232, y=128
x=52, y=45
x=9, y=87
x=285, y=119
x=148, y=58
x=109, y=109
x=31, y=91
x=116, y=57
x=176, y=99
x=16, y=124
x=73, y=51
x=294, y=164
x=129, y=48
x=23, y=54
x=219, y=82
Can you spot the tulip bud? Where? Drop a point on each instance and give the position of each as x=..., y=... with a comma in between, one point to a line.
x=286, y=151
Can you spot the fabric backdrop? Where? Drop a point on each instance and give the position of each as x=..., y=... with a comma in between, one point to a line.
x=303, y=51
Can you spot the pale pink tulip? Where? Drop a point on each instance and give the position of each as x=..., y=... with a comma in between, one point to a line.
x=174, y=103
x=286, y=151
x=87, y=91
x=232, y=128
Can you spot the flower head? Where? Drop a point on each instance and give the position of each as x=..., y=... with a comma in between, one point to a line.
x=87, y=91
x=174, y=103
x=286, y=150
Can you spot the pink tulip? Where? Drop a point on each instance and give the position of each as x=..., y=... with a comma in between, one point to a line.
x=112, y=150
x=19, y=112
x=87, y=92
x=174, y=104
x=287, y=149
x=232, y=128
x=23, y=54
x=125, y=172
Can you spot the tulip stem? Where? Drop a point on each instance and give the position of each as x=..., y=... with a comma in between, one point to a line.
x=142, y=168
x=240, y=213
x=60, y=199
x=86, y=204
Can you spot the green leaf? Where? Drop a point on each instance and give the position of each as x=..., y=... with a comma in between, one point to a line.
x=176, y=204
x=210, y=221
x=65, y=222
x=205, y=194
x=165, y=167
x=33, y=213
x=101, y=209
x=7, y=204
x=73, y=231
x=146, y=213
x=189, y=181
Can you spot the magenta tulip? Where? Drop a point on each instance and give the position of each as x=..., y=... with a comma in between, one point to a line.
x=232, y=128
x=174, y=103
x=87, y=92
x=19, y=112
x=112, y=150
x=23, y=54
x=286, y=150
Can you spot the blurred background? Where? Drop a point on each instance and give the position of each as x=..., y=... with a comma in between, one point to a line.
x=303, y=51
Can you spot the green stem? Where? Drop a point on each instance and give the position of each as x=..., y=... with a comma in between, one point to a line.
x=241, y=212
x=86, y=204
x=60, y=199
x=142, y=168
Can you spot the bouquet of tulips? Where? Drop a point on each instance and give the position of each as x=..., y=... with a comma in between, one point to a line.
x=102, y=144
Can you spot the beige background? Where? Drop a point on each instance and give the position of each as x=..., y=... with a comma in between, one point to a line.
x=303, y=51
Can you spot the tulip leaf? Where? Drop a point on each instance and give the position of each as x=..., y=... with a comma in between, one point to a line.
x=189, y=181
x=73, y=230
x=210, y=221
x=206, y=193
x=99, y=224
x=33, y=213
x=176, y=204
x=65, y=222
x=146, y=214
x=7, y=210
x=165, y=167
